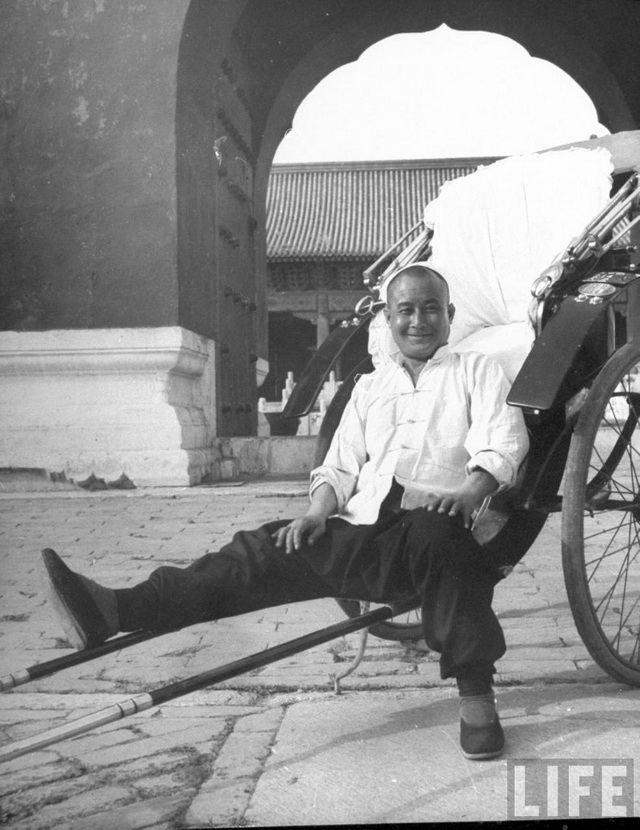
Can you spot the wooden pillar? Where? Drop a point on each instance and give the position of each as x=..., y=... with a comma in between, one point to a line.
x=322, y=319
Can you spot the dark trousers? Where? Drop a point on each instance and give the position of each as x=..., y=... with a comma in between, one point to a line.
x=404, y=554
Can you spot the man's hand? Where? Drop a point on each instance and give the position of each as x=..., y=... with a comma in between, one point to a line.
x=292, y=535
x=457, y=503
x=313, y=524
x=468, y=497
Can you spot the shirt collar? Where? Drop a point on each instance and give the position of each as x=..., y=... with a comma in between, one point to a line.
x=437, y=357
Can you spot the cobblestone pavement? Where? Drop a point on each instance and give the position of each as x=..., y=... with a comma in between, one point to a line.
x=209, y=759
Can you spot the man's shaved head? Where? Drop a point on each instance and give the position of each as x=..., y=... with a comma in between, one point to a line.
x=415, y=270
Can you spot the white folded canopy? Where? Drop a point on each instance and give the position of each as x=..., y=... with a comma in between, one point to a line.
x=494, y=232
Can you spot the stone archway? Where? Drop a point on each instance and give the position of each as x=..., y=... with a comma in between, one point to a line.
x=136, y=144
x=544, y=32
x=278, y=51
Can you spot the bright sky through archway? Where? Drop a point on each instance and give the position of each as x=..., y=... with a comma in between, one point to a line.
x=439, y=94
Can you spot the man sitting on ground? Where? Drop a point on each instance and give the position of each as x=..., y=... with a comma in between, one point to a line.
x=421, y=444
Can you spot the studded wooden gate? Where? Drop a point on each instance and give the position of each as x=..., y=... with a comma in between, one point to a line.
x=237, y=305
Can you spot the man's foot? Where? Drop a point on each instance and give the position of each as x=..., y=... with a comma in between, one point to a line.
x=87, y=611
x=481, y=735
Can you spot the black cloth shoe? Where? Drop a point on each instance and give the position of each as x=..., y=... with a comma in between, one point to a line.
x=479, y=743
x=86, y=610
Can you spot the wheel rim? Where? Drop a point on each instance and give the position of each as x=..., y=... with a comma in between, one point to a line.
x=611, y=523
x=403, y=627
x=410, y=623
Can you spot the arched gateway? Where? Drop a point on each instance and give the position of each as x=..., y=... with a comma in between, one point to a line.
x=137, y=143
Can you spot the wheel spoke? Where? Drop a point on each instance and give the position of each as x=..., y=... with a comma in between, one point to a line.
x=601, y=558
x=624, y=622
x=607, y=552
x=608, y=596
x=626, y=552
x=615, y=602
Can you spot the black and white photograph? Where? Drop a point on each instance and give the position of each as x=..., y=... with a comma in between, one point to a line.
x=319, y=413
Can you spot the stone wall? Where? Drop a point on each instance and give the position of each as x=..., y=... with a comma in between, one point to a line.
x=89, y=201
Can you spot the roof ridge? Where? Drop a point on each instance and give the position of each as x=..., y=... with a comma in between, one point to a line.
x=454, y=161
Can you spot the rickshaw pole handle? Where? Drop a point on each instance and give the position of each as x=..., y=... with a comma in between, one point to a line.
x=147, y=700
x=76, y=658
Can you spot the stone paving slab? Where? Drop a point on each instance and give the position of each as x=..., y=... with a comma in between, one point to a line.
x=308, y=759
x=161, y=756
x=393, y=758
x=385, y=751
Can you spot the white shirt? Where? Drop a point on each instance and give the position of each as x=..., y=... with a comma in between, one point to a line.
x=428, y=436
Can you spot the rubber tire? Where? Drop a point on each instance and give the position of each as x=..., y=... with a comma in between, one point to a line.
x=579, y=479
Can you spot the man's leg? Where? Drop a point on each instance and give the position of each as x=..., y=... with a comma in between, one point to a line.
x=430, y=555
x=247, y=574
x=405, y=553
x=434, y=556
x=456, y=582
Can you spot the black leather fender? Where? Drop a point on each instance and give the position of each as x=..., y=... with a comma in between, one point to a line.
x=573, y=345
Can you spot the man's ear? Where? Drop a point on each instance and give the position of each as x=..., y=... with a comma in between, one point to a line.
x=387, y=314
x=451, y=310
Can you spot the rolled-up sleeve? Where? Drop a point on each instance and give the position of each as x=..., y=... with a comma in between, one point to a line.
x=497, y=440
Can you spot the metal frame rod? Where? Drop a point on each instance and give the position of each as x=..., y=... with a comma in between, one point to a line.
x=391, y=249
x=141, y=702
x=591, y=227
x=606, y=248
x=607, y=218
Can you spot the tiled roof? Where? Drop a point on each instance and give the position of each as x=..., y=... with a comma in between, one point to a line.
x=351, y=210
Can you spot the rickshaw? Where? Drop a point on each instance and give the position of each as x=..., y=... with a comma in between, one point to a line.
x=579, y=390
x=578, y=386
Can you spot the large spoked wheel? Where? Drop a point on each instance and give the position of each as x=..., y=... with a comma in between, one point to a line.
x=601, y=518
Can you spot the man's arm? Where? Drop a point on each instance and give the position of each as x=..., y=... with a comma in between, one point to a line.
x=468, y=497
x=312, y=525
x=497, y=441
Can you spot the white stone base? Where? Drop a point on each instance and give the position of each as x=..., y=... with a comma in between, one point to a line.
x=250, y=457
x=109, y=401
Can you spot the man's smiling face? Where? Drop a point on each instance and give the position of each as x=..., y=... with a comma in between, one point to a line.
x=419, y=314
